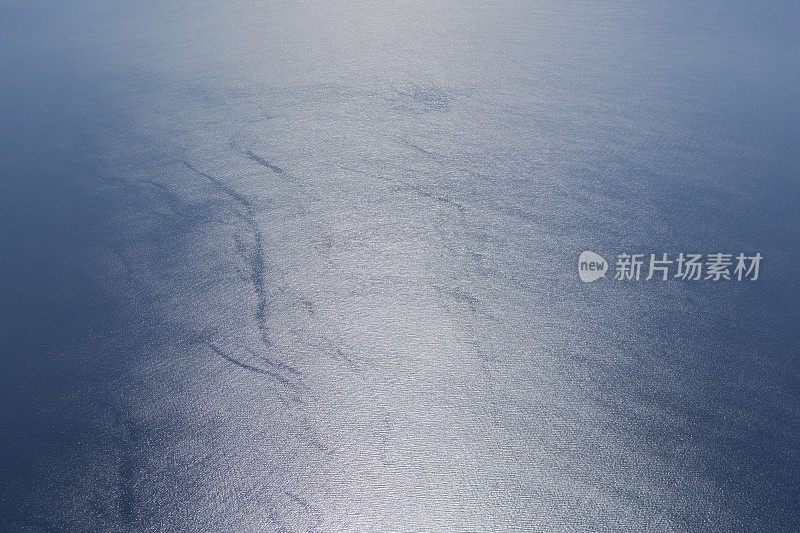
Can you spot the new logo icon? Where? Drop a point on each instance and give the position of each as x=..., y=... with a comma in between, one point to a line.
x=591, y=266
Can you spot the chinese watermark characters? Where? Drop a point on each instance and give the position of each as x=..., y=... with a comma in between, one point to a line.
x=664, y=267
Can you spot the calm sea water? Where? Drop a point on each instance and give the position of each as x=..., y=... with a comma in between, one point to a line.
x=311, y=267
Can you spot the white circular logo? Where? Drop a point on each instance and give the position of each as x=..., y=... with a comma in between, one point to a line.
x=591, y=266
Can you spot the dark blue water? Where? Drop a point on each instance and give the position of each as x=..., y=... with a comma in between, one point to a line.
x=312, y=267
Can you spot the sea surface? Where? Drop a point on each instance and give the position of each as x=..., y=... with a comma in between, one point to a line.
x=312, y=266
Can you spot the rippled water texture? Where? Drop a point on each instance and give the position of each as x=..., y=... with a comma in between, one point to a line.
x=311, y=267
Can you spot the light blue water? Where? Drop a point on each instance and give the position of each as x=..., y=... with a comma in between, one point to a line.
x=312, y=267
